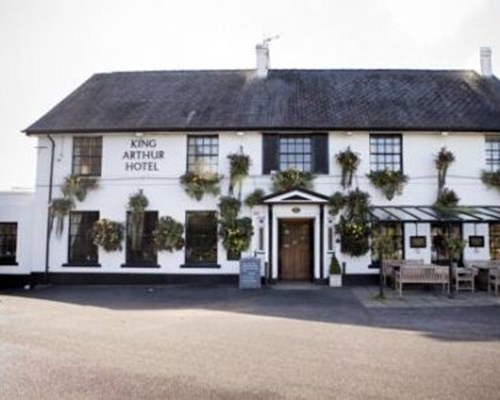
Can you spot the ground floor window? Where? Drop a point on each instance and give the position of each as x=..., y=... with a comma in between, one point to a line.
x=8, y=243
x=201, y=237
x=395, y=231
x=82, y=250
x=439, y=232
x=495, y=241
x=144, y=252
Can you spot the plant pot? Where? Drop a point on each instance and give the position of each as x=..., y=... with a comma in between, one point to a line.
x=336, y=280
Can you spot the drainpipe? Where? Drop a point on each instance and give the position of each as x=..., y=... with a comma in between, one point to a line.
x=51, y=176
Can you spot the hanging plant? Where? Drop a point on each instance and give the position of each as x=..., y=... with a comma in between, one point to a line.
x=349, y=162
x=78, y=186
x=255, y=198
x=354, y=236
x=388, y=182
x=229, y=208
x=59, y=209
x=447, y=200
x=239, y=164
x=353, y=226
x=236, y=234
x=442, y=162
x=168, y=235
x=357, y=205
x=491, y=179
x=137, y=204
x=336, y=203
x=292, y=179
x=197, y=184
x=108, y=235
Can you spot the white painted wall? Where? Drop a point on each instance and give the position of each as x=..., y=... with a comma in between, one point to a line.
x=17, y=207
x=167, y=196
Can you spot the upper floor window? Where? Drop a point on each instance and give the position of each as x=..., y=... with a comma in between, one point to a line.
x=201, y=237
x=87, y=156
x=295, y=152
x=8, y=243
x=203, y=154
x=82, y=250
x=385, y=153
x=307, y=153
x=145, y=253
x=493, y=154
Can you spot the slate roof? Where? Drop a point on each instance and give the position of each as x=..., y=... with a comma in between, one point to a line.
x=286, y=99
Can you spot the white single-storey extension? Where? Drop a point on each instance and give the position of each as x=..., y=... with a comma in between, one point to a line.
x=173, y=176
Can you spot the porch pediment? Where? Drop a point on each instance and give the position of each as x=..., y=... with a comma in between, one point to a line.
x=296, y=196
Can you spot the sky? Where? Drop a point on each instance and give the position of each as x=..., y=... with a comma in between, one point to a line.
x=50, y=47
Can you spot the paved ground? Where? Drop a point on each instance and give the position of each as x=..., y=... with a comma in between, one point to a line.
x=423, y=298
x=221, y=343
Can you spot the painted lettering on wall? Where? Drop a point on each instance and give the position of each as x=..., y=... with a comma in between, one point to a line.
x=142, y=155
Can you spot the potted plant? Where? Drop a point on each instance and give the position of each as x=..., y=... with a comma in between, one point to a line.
x=335, y=272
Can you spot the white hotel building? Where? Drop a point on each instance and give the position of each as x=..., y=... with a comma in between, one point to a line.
x=143, y=130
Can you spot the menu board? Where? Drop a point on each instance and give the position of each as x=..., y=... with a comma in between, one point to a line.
x=250, y=273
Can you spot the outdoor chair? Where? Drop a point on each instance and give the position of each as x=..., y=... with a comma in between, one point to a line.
x=494, y=279
x=464, y=278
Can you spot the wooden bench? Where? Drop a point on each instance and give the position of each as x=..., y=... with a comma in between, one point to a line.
x=388, y=267
x=426, y=274
x=494, y=279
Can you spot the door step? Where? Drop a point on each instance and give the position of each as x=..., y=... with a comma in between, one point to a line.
x=295, y=286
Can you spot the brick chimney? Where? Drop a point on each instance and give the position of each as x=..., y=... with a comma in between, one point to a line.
x=485, y=55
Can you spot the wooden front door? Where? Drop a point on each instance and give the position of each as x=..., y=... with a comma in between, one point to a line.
x=295, y=250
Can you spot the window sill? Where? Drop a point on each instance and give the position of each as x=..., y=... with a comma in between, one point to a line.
x=82, y=265
x=201, y=265
x=136, y=265
x=8, y=264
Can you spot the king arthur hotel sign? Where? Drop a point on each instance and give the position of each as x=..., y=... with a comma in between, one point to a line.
x=142, y=155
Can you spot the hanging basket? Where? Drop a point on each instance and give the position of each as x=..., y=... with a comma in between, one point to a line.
x=349, y=162
x=108, y=235
x=137, y=205
x=388, y=182
x=78, y=186
x=168, y=235
x=196, y=185
x=292, y=179
x=59, y=209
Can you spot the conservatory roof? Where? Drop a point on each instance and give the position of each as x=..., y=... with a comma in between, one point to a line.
x=430, y=214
